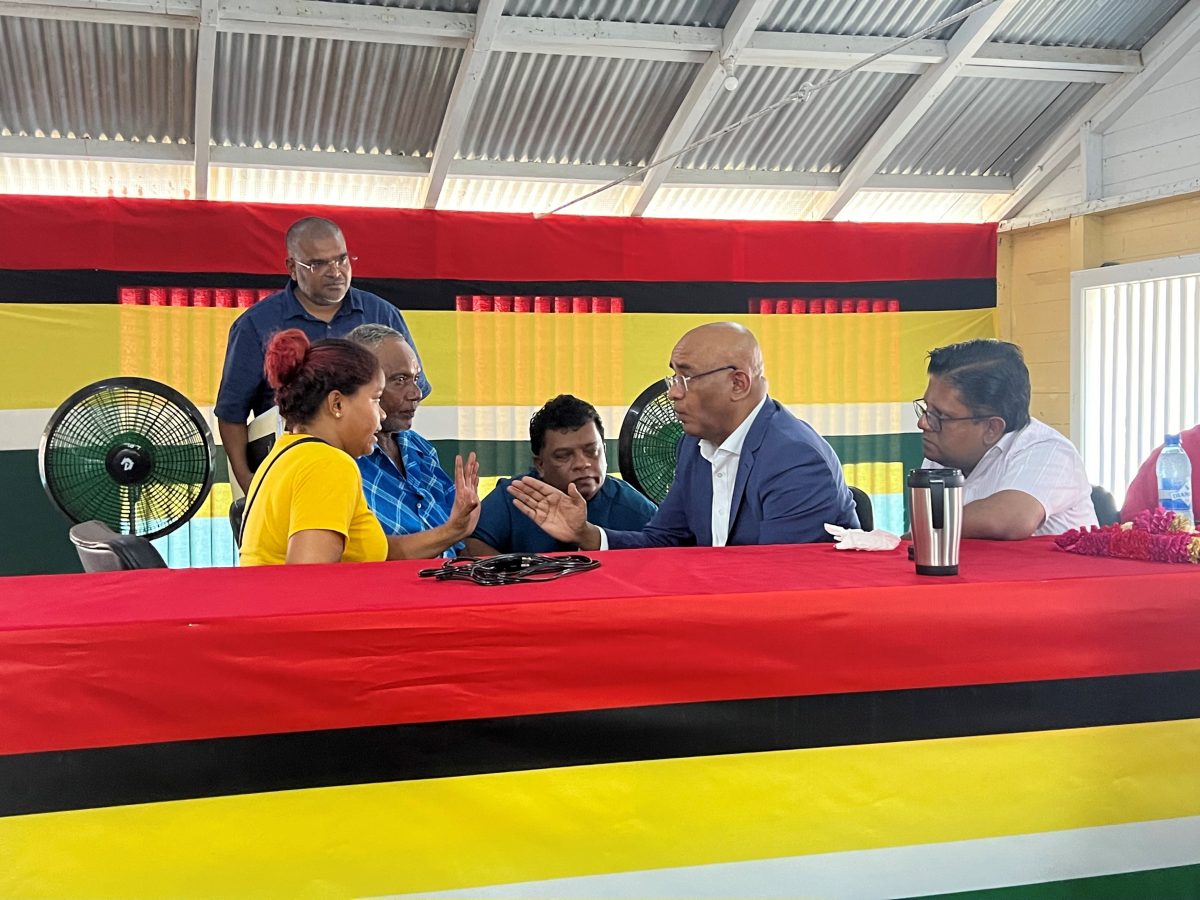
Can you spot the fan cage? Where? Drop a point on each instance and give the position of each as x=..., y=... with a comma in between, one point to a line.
x=649, y=443
x=161, y=423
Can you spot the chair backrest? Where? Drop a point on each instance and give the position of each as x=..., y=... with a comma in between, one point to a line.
x=862, y=505
x=101, y=549
x=236, y=508
x=1105, y=506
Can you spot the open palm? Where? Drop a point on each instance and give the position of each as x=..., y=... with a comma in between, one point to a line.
x=562, y=516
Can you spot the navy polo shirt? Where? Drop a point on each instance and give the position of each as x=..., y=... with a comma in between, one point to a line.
x=501, y=525
x=244, y=388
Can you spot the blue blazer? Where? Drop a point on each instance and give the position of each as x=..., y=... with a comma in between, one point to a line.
x=789, y=484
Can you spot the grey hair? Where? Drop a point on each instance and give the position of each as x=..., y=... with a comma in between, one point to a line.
x=372, y=334
x=307, y=227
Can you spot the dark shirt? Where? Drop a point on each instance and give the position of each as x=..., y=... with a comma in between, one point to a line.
x=244, y=388
x=508, y=530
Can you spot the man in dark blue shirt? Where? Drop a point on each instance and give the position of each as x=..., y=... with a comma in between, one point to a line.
x=567, y=438
x=320, y=302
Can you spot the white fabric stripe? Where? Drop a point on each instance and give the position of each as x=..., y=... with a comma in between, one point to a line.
x=21, y=429
x=895, y=871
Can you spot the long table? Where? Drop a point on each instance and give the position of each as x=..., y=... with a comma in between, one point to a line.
x=769, y=721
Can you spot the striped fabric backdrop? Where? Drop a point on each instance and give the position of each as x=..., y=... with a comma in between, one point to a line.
x=851, y=376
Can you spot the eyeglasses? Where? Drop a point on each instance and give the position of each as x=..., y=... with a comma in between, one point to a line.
x=935, y=419
x=324, y=265
x=681, y=381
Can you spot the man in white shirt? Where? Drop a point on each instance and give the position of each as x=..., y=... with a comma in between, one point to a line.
x=747, y=471
x=1023, y=478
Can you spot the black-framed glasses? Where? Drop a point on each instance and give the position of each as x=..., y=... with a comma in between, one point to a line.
x=323, y=265
x=681, y=381
x=935, y=419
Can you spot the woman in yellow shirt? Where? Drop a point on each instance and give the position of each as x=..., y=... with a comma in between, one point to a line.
x=306, y=503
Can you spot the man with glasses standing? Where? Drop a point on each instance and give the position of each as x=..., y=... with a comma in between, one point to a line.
x=1023, y=478
x=748, y=471
x=319, y=300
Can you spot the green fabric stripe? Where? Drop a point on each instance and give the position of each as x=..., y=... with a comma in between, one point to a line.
x=33, y=533
x=511, y=457
x=1178, y=883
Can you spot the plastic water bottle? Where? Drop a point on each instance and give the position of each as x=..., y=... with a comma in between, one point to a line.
x=1174, y=471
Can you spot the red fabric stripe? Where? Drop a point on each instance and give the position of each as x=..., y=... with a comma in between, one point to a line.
x=190, y=236
x=153, y=656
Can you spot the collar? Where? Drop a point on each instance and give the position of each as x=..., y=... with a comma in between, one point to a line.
x=999, y=448
x=350, y=301
x=733, y=443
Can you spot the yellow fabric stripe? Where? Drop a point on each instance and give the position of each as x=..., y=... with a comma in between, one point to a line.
x=47, y=351
x=523, y=826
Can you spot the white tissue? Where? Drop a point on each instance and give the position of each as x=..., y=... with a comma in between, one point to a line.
x=857, y=539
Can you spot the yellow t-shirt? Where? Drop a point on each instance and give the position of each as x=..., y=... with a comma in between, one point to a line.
x=314, y=486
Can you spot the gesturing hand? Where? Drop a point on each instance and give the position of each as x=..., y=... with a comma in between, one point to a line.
x=464, y=514
x=562, y=516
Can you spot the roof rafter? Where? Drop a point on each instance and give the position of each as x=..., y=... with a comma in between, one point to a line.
x=671, y=43
x=462, y=97
x=1101, y=113
x=737, y=33
x=206, y=64
x=416, y=167
x=972, y=34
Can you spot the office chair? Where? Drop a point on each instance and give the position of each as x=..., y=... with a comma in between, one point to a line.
x=235, y=519
x=1106, y=508
x=103, y=550
x=862, y=505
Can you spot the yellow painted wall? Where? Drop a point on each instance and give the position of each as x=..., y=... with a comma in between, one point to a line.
x=1033, y=286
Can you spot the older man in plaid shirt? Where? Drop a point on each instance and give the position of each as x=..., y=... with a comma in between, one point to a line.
x=403, y=480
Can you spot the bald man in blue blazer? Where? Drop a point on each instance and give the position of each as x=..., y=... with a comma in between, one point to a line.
x=748, y=471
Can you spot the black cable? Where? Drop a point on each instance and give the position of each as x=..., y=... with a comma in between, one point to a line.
x=510, y=568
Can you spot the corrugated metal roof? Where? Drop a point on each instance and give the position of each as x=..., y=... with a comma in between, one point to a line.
x=91, y=178
x=451, y=6
x=502, y=195
x=302, y=93
x=986, y=126
x=821, y=134
x=95, y=79
x=573, y=109
x=308, y=187
x=872, y=18
x=136, y=83
x=921, y=206
x=1087, y=23
x=733, y=203
x=709, y=13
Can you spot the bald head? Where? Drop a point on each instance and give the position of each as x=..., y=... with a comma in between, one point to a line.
x=723, y=365
x=724, y=343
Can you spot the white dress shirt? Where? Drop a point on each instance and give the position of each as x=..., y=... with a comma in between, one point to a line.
x=724, y=475
x=724, y=461
x=1040, y=462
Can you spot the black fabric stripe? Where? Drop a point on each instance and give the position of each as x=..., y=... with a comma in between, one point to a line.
x=79, y=779
x=96, y=286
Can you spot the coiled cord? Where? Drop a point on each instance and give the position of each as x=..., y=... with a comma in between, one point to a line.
x=510, y=568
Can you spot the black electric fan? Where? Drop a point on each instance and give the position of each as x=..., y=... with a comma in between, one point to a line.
x=649, y=442
x=131, y=452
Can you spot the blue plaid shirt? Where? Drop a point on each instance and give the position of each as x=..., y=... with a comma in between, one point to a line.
x=417, y=500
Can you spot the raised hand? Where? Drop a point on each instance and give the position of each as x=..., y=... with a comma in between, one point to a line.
x=562, y=516
x=464, y=514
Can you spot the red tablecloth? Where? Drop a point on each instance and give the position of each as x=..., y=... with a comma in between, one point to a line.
x=129, y=658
